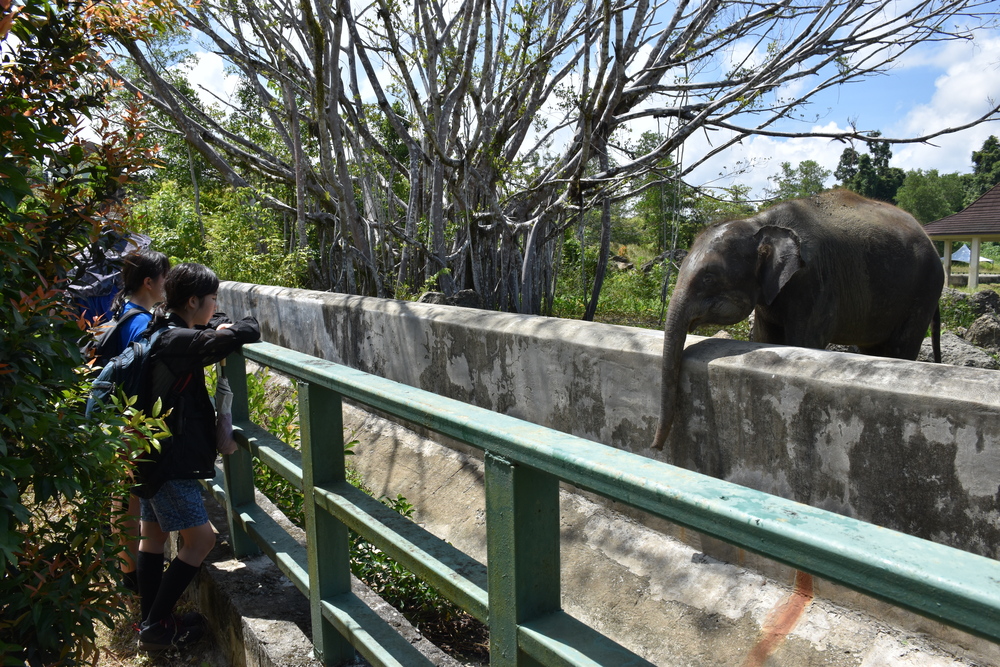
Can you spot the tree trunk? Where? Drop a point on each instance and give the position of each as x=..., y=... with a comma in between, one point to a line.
x=602, y=261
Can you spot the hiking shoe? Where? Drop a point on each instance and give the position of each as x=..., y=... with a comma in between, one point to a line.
x=191, y=618
x=168, y=632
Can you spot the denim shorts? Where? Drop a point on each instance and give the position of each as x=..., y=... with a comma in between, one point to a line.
x=176, y=506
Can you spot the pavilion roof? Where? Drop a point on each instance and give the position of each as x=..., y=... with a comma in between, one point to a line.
x=980, y=218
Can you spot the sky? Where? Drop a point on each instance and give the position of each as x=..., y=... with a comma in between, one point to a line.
x=941, y=86
x=937, y=86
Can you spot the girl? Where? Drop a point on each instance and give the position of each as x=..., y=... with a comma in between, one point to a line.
x=144, y=273
x=195, y=337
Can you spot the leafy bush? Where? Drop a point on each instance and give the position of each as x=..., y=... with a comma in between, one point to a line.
x=404, y=590
x=240, y=240
x=630, y=297
x=632, y=293
x=956, y=311
x=58, y=470
x=284, y=424
x=246, y=244
x=168, y=218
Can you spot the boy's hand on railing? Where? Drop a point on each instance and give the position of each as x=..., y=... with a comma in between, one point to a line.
x=228, y=447
x=224, y=442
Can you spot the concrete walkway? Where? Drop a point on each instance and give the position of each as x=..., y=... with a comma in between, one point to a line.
x=260, y=619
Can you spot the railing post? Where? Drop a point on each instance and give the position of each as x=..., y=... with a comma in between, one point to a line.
x=522, y=546
x=321, y=422
x=238, y=467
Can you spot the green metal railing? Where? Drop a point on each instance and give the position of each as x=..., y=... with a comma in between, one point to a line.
x=518, y=594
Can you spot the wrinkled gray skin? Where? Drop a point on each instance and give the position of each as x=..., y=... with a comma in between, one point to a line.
x=835, y=268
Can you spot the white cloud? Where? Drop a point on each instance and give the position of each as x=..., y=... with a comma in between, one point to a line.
x=943, y=55
x=744, y=54
x=935, y=89
x=766, y=155
x=209, y=78
x=963, y=93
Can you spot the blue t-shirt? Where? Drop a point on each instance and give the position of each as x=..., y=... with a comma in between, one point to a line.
x=134, y=327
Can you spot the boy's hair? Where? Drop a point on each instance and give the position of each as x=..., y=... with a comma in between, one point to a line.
x=136, y=267
x=189, y=280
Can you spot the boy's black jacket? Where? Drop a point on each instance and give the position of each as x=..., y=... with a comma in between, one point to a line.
x=177, y=362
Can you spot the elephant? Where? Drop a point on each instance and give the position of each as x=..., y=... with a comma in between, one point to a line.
x=833, y=268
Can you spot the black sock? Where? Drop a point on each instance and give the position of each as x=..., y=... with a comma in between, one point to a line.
x=149, y=573
x=175, y=581
x=131, y=581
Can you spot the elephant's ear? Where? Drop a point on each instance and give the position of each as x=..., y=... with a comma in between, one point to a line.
x=778, y=258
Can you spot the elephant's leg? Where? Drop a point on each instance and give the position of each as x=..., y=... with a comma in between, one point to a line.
x=897, y=347
x=791, y=333
x=815, y=331
x=803, y=318
x=905, y=340
x=767, y=332
x=892, y=349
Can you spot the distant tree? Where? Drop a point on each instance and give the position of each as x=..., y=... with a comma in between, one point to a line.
x=847, y=167
x=869, y=174
x=661, y=202
x=929, y=196
x=986, y=169
x=808, y=179
x=725, y=204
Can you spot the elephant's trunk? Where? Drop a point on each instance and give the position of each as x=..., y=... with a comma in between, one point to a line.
x=674, y=335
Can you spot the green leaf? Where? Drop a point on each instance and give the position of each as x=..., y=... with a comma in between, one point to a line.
x=76, y=153
x=13, y=185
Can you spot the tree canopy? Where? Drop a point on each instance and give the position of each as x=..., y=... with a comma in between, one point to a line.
x=869, y=174
x=986, y=169
x=805, y=180
x=456, y=142
x=929, y=196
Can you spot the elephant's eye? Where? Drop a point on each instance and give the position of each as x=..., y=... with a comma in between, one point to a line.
x=709, y=280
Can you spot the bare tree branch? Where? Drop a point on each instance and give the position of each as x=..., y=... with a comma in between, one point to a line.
x=498, y=120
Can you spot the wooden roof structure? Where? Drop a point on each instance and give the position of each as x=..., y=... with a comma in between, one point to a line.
x=978, y=222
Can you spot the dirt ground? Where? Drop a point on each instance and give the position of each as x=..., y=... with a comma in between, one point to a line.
x=119, y=646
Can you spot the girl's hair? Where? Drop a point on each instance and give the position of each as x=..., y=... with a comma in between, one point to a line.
x=189, y=280
x=136, y=267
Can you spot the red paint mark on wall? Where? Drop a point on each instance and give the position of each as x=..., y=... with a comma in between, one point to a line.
x=782, y=620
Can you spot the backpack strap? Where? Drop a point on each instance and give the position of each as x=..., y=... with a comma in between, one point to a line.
x=159, y=384
x=129, y=314
x=106, y=345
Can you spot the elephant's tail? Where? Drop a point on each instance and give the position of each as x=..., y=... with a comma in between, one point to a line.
x=936, y=335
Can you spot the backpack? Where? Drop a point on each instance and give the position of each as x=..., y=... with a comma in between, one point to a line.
x=129, y=372
x=95, y=280
x=104, y=341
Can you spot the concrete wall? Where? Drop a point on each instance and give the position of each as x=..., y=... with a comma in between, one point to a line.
x=962, y=279
x=906, y=445
x=873, y=438
x=672, y=601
